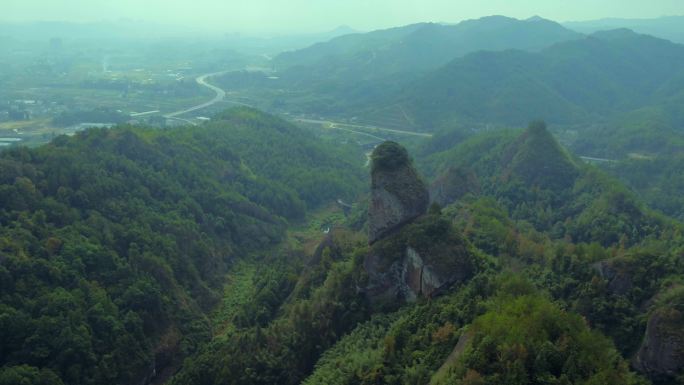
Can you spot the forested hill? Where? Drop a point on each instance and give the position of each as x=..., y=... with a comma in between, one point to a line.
x=421, y=47
x=354, y=71
x=137, y=255
x=538, y=181
x=543, y=271
x=114, y=243
x=666, y=27
x=586, y=80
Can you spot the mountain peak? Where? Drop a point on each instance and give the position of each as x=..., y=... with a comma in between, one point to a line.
x=398, y=194
x=343, y=29
x=493, y=19
x=389, y=156
x=497, y=18
x=536, y=158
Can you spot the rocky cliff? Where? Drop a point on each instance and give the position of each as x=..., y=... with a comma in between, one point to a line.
x=412, y=254
x=423, y=259
x=661, y=355
x=398, y=194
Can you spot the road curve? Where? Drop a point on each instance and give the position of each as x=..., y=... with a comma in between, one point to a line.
x=221, y=95
x=202, y=80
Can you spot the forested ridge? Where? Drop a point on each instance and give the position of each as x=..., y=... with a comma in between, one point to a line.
x=194, y=255
x=494, y=201
x=564, y=268
x=114, y=243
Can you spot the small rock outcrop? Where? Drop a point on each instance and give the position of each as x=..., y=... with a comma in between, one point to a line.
x=422, y=260
x=661, y=354
x=398, y=194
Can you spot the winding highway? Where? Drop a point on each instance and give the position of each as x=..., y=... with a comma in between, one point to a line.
x=220, y=96
x=202, y=80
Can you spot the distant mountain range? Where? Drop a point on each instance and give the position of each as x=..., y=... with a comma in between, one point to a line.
x=598, y=76
x=493, y=70
x=668, y=27
x=350, y=73
x=422, y=47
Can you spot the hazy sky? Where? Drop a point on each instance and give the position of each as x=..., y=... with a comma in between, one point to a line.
x=268, y=16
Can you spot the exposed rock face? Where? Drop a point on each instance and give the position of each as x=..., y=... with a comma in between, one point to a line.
x=410, y=257
x=398, y=194
x=408, y=278
x=422, y=260
x=452, y=185
x=661, y=355
x=423, y=279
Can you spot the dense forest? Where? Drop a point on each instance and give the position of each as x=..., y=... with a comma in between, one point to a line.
x=114, y=243
x=130, y=254
x=560, y=271
x=497, y=201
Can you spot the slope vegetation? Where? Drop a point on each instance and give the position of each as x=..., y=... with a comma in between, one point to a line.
x=114, y=243
x=594, y=78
